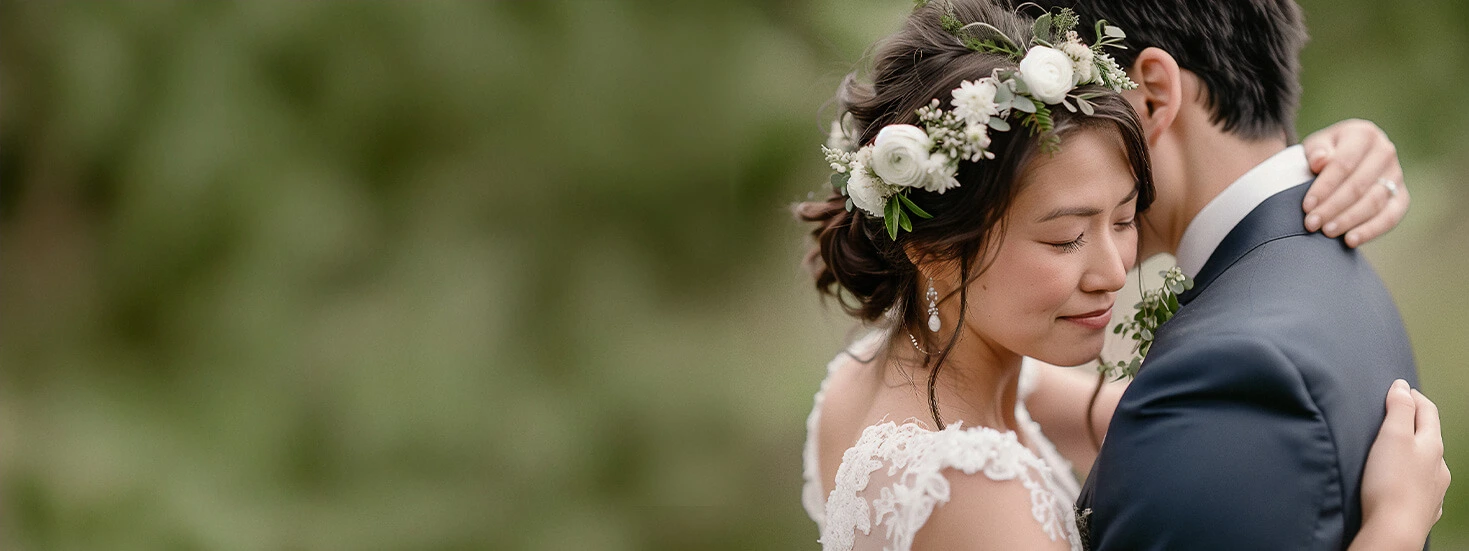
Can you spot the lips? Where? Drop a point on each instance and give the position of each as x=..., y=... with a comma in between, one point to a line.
x=1091, y=320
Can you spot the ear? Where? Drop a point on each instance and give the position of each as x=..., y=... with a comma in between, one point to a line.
x=1159, y=94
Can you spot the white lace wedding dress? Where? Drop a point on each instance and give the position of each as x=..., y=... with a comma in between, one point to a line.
x=896, y=474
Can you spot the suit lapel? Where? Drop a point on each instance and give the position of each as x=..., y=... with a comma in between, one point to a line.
x=1277, y=217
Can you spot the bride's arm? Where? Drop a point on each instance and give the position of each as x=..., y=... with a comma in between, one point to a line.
x=1059, y=404
x=1406, y=478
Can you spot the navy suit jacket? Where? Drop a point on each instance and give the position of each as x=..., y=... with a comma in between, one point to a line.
x=1248, y=424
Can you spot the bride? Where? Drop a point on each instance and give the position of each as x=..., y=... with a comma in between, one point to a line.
x=958, y=217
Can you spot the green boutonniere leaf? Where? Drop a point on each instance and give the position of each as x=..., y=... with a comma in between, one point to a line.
x=1157, y=307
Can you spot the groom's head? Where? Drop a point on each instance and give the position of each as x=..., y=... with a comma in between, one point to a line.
x=1244, y=53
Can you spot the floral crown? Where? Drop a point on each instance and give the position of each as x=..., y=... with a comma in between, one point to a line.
x=876, y=177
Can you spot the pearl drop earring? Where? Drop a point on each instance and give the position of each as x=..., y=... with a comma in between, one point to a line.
x=933, y=308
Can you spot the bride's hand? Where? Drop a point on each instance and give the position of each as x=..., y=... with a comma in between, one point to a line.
x=1406, y=478
x=1353, y=159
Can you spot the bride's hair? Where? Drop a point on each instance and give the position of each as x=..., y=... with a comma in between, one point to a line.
x=855, y=260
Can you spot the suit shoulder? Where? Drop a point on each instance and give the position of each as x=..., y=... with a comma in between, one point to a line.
x=1233, y=366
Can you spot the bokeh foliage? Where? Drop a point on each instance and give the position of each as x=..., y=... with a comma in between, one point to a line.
x=505, y=275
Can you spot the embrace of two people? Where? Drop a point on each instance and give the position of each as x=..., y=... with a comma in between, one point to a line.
x=998, y=173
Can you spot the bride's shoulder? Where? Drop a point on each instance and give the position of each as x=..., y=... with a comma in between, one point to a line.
x=988, y=513
x=912, y=486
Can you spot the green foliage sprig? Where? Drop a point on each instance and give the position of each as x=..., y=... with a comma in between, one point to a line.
x=1156, y=308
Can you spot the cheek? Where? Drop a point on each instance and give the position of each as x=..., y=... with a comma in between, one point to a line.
x=1023, y=290
x=1127, y=246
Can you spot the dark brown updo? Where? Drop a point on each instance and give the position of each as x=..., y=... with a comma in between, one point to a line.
x=871, y=274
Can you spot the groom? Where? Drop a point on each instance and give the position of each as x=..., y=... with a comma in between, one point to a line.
x=1248, y=425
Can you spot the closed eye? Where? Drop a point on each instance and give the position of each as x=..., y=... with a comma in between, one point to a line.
x=1071, y=246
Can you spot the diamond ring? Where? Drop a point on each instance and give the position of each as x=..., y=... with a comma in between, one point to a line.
x=1392, y=187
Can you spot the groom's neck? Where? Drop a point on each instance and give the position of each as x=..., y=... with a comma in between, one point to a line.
x=1205, y=165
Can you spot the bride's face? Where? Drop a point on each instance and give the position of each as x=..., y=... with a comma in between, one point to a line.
x=1070, y=240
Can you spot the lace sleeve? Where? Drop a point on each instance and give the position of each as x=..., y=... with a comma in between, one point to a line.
x=891, y=481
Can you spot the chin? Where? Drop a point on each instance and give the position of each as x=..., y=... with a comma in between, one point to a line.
x=1071, y=354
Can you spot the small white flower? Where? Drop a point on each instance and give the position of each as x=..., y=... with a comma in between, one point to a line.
x=940, y=174
x=977, y=136
x=900, y=155
x=975, y=101
x=866, y=192
x=1081, y=59
x=1048, y=74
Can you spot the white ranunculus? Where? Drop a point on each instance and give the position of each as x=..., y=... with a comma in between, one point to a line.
x=1048, y=74
x=900, y=155
x=1081, y=61
x=864, y=190
x=975, y=101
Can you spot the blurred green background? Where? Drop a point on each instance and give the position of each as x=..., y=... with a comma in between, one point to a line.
x=505, y=275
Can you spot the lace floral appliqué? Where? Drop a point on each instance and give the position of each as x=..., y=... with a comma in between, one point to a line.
x=913, y=484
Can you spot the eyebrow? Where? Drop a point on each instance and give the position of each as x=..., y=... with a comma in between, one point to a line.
x=1084, y=212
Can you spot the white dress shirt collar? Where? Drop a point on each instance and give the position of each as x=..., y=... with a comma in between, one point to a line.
x=1280, y=172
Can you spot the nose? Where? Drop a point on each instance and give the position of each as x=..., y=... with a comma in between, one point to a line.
x=1107, y=266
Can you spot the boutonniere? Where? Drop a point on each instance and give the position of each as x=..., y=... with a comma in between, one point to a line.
x=1157, y=307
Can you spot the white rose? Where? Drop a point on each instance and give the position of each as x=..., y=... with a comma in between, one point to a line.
x=900, y=155
x=1047, y=73
x=1081, y=60
x=865, y=191
x=975, y=101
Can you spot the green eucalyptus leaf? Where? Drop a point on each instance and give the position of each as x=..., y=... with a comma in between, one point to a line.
x=1003, y=94
x=1086, y=107
x=849, y=204
x=1115, y=32
x=1025, y=104
x=839, y=180
x=1043, y=27
x=999, y=124
x=903, y=221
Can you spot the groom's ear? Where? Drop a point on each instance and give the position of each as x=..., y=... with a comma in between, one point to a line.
x=1159, y=94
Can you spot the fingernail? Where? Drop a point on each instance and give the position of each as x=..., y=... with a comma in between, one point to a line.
x=1309, y=203
x=1329, y=229
x=1312, y=222
x=1400, y=385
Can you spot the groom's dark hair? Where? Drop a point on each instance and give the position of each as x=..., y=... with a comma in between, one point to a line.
x=1246, y=52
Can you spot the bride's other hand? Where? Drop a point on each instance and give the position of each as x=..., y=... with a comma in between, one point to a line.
x=1406, y=477
x=1354, y=160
